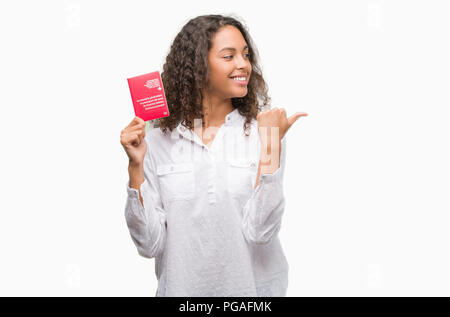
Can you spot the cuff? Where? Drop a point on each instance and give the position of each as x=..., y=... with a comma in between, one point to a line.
x=274, y=177
x=133, y=192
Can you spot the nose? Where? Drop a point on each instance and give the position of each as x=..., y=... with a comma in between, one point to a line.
x=242, y=63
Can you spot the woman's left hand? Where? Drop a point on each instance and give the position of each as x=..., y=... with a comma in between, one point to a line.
x=272, y=126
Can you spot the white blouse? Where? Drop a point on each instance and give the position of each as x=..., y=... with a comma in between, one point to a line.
x=211, y=233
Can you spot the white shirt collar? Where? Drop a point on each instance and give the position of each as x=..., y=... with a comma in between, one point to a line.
x=232, y=118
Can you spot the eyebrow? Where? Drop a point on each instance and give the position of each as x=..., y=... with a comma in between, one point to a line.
x=232, y=48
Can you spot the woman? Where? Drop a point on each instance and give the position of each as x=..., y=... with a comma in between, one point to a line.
x=200, y=200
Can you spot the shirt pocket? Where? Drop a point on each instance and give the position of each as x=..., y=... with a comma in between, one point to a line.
x=177, y=181
x=241, y=177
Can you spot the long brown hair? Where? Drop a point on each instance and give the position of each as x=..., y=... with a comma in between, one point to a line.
x=186, y=72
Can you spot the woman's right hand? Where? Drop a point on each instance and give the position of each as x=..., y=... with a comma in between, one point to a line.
x=132, y=140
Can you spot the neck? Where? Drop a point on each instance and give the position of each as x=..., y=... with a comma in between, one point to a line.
x=215, y=110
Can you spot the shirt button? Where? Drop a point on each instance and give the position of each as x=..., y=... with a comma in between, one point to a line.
x=228, y=118
x=252, y=165
x=171, y=168
x=183, y=129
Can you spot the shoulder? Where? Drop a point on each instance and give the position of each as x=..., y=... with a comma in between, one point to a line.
x=156, y=139
x=156, y=135
x=242, y=120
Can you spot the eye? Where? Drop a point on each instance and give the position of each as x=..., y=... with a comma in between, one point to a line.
x=231, y=56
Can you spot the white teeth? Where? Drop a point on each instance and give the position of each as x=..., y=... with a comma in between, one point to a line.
x=240, y=78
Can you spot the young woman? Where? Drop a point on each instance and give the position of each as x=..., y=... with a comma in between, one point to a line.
x=206, y=200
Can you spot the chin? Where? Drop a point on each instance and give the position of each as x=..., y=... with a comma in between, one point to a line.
x=241, y=94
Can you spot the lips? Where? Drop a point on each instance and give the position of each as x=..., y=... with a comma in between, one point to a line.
x=240, y=82
x=241, y=79
x=240, y=75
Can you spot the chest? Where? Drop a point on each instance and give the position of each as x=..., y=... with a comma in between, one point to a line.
x=207, y=135
x=195, y=173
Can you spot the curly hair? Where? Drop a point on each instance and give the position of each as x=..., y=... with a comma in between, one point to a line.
x=186, y=72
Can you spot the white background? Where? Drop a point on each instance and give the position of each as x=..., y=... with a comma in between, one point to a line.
x=367, y=182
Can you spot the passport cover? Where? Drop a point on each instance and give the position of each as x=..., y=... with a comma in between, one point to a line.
x=147, y=94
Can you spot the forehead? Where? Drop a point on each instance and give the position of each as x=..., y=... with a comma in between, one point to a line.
x=228, y=36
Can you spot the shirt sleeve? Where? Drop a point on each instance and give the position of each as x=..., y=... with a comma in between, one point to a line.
x=263, y=211
x=146, y=223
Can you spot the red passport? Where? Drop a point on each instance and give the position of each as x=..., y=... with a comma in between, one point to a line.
x=147, y=93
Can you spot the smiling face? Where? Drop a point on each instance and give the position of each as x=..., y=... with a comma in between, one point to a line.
x=229, y=57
